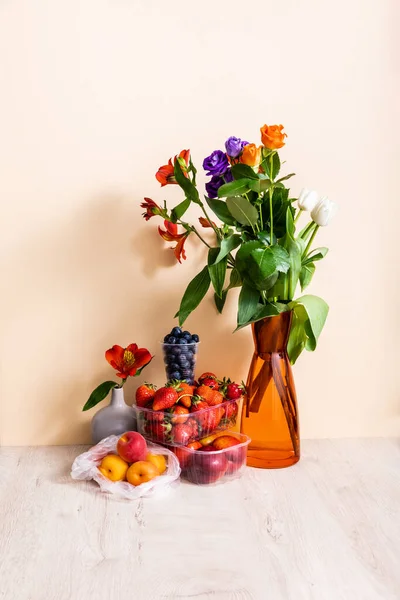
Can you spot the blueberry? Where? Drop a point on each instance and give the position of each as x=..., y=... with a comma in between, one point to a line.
x=187, y=336
x=183, y=361
x=176, y=350
x=189, y=353
x=176, y=375
x=195, y=338
x=166, y=338
x=172, y=339
x=176, y=331
x=182, y=341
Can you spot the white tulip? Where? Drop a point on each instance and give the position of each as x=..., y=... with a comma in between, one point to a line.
x=307, y=199
x=323, y=212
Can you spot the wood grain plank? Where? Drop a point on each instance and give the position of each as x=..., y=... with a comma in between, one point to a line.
x=326, y=529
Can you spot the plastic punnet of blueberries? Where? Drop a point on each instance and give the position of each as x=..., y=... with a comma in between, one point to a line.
x=180, y=350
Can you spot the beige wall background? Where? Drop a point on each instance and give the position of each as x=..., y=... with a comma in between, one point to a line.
x=95, y=95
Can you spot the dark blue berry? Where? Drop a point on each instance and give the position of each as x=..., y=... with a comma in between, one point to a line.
x=187, y=337
x=176, y=350
x=182, y=341
x=195, y=338
x=166, y=338
x=176, y=375
x=172, y=339
x=183, y=361
x=176, y=331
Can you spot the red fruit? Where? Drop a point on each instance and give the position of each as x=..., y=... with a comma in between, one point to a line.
x=144, y=394
x=214, y=398
x=164, y=398
x=181, y=414
x=234, y=391
x=206, y=467
x=183, y=455
x=204, y=392
x=158, y=431
x=201, y=418
x=206, y=375
x=182, y=434
x=210, y=382
x=225, y=441
x=194, y=425
x=231, y=410
x=214, y=417
x=185, y=393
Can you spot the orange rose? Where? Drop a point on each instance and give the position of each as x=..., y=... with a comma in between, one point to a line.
x=251, y=155
x=272, y=136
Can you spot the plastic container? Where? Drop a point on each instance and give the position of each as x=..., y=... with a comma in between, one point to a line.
x=204, y=467
x=164, y=427
x=180, y=360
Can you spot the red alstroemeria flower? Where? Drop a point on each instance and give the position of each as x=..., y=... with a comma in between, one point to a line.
x=206, y=223
x=165, y=174
x=170, y=234
x=152, y=209
x=127, y=361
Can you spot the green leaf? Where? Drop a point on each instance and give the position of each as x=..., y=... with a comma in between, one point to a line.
x=179, y=211
x=243, y=256
x=194, y=294
x=281, y=258
x=295, y=249
x=263, y=311
x=99, y=394
x=271, y=165
x=227, y=245
x=316, y=254
x=220, y=302
x=241, y=209
x=241, y=171
x=306, y=274
x=286, y=177
x=248, y=301
x=234, y=188
x=220, y=209
x=309, y=314
x=185, y=183
x=217, y=270
x=235, y=280
x=261, y=185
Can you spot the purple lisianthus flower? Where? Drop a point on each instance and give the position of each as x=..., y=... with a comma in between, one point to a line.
x=216, y=164
x=215, y=183
x=213, y=186
x=234, y=146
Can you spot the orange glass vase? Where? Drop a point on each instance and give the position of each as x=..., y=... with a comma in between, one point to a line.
x=269, y=414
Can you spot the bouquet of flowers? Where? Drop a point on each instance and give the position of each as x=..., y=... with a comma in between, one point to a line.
x=257, y=246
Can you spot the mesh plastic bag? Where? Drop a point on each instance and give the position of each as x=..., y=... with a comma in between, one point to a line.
x=85, y=467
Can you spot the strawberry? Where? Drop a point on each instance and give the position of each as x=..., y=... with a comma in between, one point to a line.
x=231, y=410
x=194, y=425
x=214, y=417
x=198, y=406
x=234, y=391
x=185, y=393
x=158, y=431
x=182, y=434
x=181, y=414
x=206, y=375
x=214, y=398
x=210, y=382
x=144, y=394
x=204, y=392
x=164, y=398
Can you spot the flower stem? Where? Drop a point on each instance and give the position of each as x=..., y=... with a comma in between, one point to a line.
x=271, y=191
x=217, y=232
x=297, y=217
x=193, y=228
x=314, y=233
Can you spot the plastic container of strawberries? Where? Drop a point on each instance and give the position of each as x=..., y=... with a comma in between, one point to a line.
x=164, y=427
x=206, y=466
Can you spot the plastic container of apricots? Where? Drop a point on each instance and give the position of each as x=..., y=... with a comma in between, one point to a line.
x=86, y=467
x=217, y=458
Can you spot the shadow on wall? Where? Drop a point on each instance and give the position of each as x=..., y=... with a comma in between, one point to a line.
x=77, y=290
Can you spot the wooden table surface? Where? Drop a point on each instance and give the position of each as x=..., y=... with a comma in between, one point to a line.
x=325, y=529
